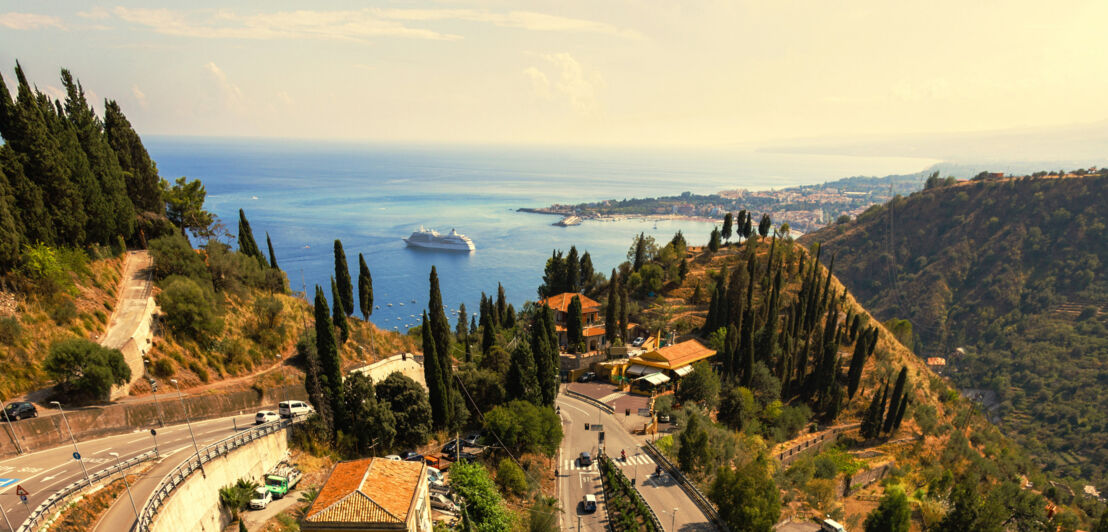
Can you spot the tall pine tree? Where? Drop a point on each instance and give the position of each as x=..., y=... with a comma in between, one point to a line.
x=894, y=402
x=432, y=373
x=365, y=288
x=327, y=349
x=440, y=331
x=342, y=277
x=338, y=314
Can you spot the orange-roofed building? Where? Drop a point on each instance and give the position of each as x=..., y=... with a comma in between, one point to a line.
x=656, y=369
x=372, y=494
x=593, y=326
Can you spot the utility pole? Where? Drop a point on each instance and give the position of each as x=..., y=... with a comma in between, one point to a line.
x=76, y=452
x=154, y=390
x=5, y=514
x=124, y=475
x=673, y=521
x=189, y=423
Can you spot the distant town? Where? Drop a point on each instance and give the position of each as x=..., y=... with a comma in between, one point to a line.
x=804, y=208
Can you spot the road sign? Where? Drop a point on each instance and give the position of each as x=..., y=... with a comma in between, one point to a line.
x=601, y=436
x=153, y=432
x=20, y=491
x=76, y=455
x=597, y=427
x=23, y=499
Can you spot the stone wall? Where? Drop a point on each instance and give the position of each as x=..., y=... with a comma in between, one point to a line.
x=96, y=422
x=194, y=505
x=867, y=477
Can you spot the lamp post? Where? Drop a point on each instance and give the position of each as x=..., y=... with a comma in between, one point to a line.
x=189, y=423
x=673, y=521
x=5, y=514
x=124, y=475
x=76, y=452
x=154, y=390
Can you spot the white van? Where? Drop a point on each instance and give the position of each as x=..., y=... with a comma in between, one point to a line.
x=294, y=408
x=829, y=525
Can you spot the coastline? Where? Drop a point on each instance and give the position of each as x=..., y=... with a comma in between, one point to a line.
x=617, y=217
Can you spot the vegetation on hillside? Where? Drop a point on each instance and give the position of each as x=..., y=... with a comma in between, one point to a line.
x=1012, y=271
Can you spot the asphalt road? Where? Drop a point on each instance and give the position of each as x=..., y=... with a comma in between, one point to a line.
x=44, y=472
x=664, y=496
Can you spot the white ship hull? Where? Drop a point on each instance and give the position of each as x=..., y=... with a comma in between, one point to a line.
x=451, y=246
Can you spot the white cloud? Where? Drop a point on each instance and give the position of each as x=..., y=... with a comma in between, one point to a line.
x=284, y=98
x=931, y=89
x=96, y=13
x=56, y=93
x=578, y=88
x=319, y=25
x=232, y=94
x=29, y=21
x=528, y=20
x=140, y=96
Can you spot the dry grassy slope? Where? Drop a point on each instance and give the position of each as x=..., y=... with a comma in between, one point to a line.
x=29, y=323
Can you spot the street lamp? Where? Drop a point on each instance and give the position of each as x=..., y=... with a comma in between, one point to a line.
x=189, y=423
x=124, y=475
x=76, y=452
x=5, y=514
x=154, y=390
x=673, y=521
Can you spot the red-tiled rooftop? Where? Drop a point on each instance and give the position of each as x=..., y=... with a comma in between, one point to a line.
x=561, y=302
x=371, y=490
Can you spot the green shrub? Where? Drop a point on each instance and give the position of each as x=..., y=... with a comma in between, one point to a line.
x=10, y=330
x=511, y=478
x=63, y=310
x=163, y=368
x=85, y=369
x=199, y=371
x=188, y=309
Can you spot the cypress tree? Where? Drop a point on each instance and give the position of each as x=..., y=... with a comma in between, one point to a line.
x=327, y=349
x=748, y=228
x=272, y=256
x=501, y=305
x=574, y=325
x=432, y=373
x=440, y=330
x=871, y=422
x=522, y=381
x=611, y=309
x=900, y=412
x=731, y=364
x=247, y=245
x=746, y=341
x=342, y=277
x=338, y=315
x=894, y=402
x=727, y=226
x=510, y=317
x=587, y=273
x=857, y=363
x=461, y=329
x=573, y=271
x=696, y=294
x=488, y=328
x=365, y=289
x=546, y=369
x=140, y=174
x=640, y=252
x=713, y=241
x=554, y=277
x=764, y=225
x=473, y=323
x=683, y=270
x=739, y=221
x=624, y=313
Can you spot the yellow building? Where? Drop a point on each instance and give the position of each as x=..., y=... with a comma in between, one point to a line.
x=658, y=369
x=372, y=495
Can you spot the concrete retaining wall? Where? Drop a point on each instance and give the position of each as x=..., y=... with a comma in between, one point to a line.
x=406, y=363
x=813, y=444
x=865, y=478
x=135, y=348
x=96, y=422
x=194, y=505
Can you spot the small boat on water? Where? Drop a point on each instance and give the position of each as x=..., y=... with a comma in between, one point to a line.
x=568, y=221
x=390, y=304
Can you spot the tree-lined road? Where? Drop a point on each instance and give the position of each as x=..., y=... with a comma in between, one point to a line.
x=662, y=493
x=45, y=472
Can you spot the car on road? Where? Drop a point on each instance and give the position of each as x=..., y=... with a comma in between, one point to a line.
x=637, y=342
x=289, y=409
x=262, y=498
x=588, y=376
x=266, y=416
x=588, y=504
x=411, y=456
x=17, y=410
x=584, y=460
x=395, y=457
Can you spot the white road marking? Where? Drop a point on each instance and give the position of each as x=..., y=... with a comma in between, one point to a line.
x=575, y=408
x=6, y=488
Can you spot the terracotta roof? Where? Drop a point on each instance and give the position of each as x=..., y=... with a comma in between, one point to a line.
x=594, y=330
x=561, y=302
x=371, y=490
x=681, y=354
x=936, y=361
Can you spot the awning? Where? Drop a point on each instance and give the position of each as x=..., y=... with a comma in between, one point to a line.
x=638, y=370
x=654, y=378
x=683, y=370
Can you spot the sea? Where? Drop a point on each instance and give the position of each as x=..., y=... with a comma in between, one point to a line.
x=306, y=194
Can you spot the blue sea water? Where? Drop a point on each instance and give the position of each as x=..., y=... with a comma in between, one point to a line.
x=307, y=194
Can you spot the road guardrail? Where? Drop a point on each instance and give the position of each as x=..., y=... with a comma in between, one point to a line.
x=687, y=485
x=208, y=453
x=62, y=496
x=590, y=400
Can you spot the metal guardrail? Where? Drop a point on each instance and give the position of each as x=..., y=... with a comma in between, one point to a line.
x=693, y=492
x=61, y=496
x=208, y=453
x=590, y=400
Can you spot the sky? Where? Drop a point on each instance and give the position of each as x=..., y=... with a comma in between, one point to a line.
x=620, y=72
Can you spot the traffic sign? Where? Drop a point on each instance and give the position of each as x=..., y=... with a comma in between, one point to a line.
x=20, y=491
x=153, y=432
x=76, y=455
x=23, y=499
x=601, y=436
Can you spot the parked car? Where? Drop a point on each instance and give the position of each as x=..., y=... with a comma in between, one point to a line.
x=829, y=525
x=288, y=409
x=434, y=474
x=262, y=498
x=464, y=455
x=584, y=460
x=663, y=418
x=588, y=504
x=19, y=410
x=473, y=438
x=587, y=377
x=442, y=502
x=637, y=342
x=266, y=416
x=393, y=457
x=411, y=456
x=450, y=446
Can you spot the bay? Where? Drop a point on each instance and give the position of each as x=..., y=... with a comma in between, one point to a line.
x=306, y=194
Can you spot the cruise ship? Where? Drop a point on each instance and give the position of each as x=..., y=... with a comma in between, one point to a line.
x=431, y=239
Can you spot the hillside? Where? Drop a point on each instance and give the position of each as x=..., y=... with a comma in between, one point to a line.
x=944, y=441
x=1012, y=271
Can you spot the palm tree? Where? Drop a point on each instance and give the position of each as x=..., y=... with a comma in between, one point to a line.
x=307, y=497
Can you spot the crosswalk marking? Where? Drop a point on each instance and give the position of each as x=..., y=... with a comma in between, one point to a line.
x=636, y=460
